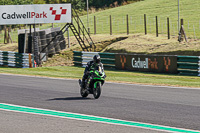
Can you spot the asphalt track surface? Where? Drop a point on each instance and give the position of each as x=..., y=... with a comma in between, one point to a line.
x=168, y=106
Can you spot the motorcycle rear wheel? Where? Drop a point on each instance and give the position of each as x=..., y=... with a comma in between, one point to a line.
x=97, y=91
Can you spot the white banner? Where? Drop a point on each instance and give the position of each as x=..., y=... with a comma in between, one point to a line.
x=35, y=14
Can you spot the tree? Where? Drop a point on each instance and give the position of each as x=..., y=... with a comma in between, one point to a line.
x=79, y=4
x=39, y=1
x=15, y=2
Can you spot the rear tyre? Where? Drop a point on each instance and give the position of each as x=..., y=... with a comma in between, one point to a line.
x=97, y=91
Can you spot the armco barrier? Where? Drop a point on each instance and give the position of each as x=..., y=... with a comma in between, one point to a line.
x=77, y=58
x=81, y=59
x=14, y=59
x=188, y=65
x=108, y=60
x=87, y=56
x=183, y=65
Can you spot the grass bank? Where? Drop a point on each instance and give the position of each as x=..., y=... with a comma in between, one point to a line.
x=135, y=11
x=114, y=76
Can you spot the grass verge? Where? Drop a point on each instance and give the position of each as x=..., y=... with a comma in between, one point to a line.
x=114, y=76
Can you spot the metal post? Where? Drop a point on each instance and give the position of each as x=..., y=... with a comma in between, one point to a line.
x=68, y=37
x=156, y=26
x=181, y=22
x=5, y=35
x=95, y=30
x=25, y=36
x=168, y=29
x=110, y=25
x=79, y=29
x=145, y=24
x=34, y=30
x=127, y=24
x=88, y=17
x=178, y=17
x=180, y=37
x=30, y=29
x=30, y=42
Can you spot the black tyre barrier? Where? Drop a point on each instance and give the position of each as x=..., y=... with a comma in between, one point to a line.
x=44, y=38
x=55, y=42
x=51, y=49
x=36, y=49
x=62, y=41
x=39, y=42
x=43, y=41
x=21, y=38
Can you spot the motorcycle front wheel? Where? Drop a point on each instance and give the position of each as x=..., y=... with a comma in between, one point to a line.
x=97, y=91
x=83, y=92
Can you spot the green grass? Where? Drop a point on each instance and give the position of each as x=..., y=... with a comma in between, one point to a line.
x=189, y=11
x=115, y=76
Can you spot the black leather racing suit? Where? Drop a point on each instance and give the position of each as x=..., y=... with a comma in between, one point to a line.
x=90, y=65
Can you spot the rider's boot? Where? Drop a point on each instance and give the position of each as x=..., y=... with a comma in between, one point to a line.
x=83, y=85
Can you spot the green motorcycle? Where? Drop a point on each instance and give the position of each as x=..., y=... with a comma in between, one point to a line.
x=93, y=83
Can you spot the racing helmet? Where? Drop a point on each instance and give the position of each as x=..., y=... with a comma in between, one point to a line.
x=96, y=59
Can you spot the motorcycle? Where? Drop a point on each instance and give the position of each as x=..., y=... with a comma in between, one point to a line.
x=94, y=83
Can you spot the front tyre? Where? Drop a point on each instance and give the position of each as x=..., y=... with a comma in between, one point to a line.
x=97, y=90
x=83, y=92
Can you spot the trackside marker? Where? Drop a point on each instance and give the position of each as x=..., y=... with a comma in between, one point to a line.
x=68, y=115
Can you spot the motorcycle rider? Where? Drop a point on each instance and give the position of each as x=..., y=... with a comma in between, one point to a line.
x=91, y=65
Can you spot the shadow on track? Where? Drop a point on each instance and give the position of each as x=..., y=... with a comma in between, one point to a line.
x=69, y=98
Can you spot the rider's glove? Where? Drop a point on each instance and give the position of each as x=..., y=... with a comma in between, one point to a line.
x=100, y=73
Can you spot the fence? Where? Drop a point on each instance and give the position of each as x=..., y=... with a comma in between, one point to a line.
x=81, y=59
x=18, y=60
x=147, y=24
x=189, y=65
x=182, y=65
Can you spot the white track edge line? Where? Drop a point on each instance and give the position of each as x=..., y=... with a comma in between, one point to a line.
x=157, y=86
x=94, y=116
